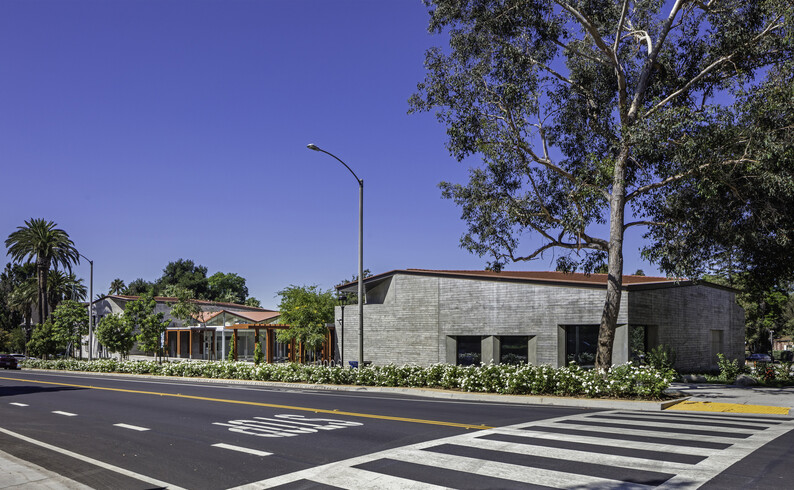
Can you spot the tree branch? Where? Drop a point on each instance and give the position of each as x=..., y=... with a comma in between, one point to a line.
x=645, y=223
x=588, y=26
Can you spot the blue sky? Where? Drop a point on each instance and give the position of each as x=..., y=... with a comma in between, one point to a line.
x=153, y=130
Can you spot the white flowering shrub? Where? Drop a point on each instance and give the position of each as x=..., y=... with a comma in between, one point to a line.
x=624, y=381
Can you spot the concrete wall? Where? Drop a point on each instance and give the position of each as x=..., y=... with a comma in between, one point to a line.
x=419, y=314
x=417, y=317
x=684, y=318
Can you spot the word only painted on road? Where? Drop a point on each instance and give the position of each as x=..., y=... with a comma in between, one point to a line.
x=284, y=425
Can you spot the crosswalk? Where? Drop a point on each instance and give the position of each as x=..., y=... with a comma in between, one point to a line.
x=615, y=449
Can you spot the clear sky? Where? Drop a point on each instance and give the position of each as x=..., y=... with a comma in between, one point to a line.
x=153, y=130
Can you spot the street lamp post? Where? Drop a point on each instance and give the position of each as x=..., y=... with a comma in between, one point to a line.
x=314, y=147
x=343, y=303
x=90, y=310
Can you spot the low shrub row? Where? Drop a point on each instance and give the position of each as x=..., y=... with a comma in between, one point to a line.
x=624, y=381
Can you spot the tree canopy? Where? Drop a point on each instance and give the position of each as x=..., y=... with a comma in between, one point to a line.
x=307, y=310
x=607, y=114
x=116, y=333
x=69, y=323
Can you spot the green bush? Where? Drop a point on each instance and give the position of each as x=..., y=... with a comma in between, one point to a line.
x=661, y=357
x=729, y=369
x=628, y=380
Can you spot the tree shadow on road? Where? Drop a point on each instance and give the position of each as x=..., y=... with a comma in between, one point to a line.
x=29, y=390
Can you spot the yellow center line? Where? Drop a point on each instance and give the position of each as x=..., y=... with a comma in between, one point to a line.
x=268, y=405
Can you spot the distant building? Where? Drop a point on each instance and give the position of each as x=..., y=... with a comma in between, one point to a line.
x=468, y=317
x=210, y=336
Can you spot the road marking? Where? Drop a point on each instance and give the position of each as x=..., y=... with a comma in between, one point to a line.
x=96, y=462
x=19, y=404
x=67, y=414
x=697, y=406
x=248, y=450
x=268, y=405
x=131, y=427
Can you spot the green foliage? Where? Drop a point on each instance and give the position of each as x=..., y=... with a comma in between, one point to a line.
x=185, y=308
x=61, y=286
x=185, y=274
x=259, y=356
x=307, y=310
x=41, y=242
x=69, y=323
x=141, y=287
x=625, y=381
x=577, y=122
x=729, y=369
x=253, y=302
x=117, y=287
x=116, y=334
x=232, y=348
x=661, y=357
x=149, y=325
x=44, y=342
x=227, y=288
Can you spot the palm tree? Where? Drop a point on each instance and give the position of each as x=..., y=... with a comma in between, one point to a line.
x=40, y=241
x=117, y=286
x=61, y=286
x=22, y=299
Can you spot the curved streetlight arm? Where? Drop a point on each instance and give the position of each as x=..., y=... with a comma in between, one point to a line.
x=314, y=147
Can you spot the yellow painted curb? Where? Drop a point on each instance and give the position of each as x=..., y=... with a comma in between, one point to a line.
x=729, y=408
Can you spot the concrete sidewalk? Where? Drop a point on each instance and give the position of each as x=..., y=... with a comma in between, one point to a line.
x=18, y=473
x=735, y=399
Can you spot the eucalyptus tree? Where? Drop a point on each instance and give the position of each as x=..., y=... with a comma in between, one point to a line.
x=589, y=115
x=41, y=242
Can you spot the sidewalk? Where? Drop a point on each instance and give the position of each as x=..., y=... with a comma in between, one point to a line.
x=18, y=473
x=705, y=397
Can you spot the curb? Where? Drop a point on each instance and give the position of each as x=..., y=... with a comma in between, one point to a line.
x=557, y=401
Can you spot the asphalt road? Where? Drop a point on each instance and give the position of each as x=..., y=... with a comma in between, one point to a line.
x=119, y=432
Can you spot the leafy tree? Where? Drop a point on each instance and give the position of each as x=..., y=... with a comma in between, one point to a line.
x=185, y=308
x=228, y=288
x=141, y=287
x=13, y=311
x=259, y=356
x=232, y=348
x=48, y=246
x=117, y=287
x=591, y=113
x=186, y=274
x=43, y=342
x=251, y=301
x=307, y=310
x=70, y=323
x=149, y=325
x=116, y=334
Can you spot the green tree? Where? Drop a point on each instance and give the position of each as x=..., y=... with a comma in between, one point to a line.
x=117, y=287
x=116, y=334
x=149, y=325
x=185, y=309
x=70, y=323
x=40, y=241
x=232, y=348
x=593, y=113
x=141, y=287
x=44, y=342
x=186, y=274
x=251, y=301
x=228, y=288
x=307, y=310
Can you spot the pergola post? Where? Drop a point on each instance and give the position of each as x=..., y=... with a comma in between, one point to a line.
x=236, y=344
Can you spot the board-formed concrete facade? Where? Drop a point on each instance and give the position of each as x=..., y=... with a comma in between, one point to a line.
x=418, y=316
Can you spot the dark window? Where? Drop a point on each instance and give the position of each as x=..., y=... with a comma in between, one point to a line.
x=581, y=343
x=514, y=349
x=469, y=350
x=638, y=342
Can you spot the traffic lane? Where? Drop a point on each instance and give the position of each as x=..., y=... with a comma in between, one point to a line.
x=397, y=405
x=179, y=445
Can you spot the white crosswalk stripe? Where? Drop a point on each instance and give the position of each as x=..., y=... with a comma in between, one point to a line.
x=616, y=449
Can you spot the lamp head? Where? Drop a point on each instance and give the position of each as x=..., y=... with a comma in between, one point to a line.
x=312, y=146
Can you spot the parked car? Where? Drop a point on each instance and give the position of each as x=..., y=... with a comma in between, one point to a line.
x=8, y=361
x=758, y=358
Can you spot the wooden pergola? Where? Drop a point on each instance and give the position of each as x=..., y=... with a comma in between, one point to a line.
x=295, y=351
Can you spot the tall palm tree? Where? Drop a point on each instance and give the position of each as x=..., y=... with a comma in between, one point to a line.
x=117, y=286
x=22, y=299
x=40, y=241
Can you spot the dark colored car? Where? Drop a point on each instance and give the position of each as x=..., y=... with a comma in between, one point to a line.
x=758, y=358
x=8, y=362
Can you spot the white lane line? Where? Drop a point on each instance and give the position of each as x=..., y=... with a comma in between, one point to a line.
x=101, y=464
x=241, y=449
x=68, y=414
x=19, y=404
x=131, y=427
